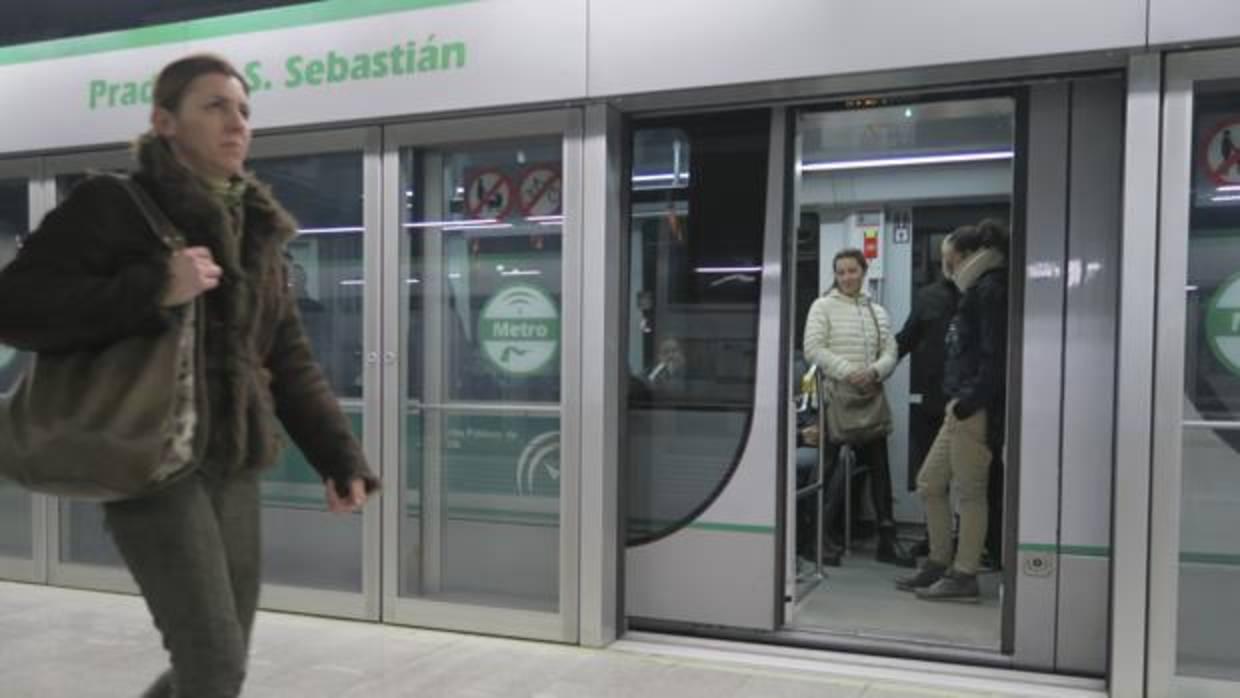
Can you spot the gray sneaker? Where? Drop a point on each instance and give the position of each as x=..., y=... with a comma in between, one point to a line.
x=929, y=573
x=954, y=586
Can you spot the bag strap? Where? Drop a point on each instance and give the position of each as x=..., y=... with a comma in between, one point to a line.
x=161, y=226
x=167, y=232
x=878, y=330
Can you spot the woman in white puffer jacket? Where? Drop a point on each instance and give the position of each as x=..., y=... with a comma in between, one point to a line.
x=849, y=343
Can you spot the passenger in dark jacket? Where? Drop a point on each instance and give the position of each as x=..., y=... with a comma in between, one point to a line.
x=94, y=273
x=976, y=343
x=976, y=348
x=923, y=336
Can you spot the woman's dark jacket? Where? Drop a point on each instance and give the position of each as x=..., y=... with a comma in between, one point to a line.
x=93, y=273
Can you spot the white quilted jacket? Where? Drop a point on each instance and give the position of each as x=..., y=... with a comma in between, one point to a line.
x=840, y=336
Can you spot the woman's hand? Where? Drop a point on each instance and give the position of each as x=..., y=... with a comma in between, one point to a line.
x=193, y=272
x=344, y=505
x=863, y=377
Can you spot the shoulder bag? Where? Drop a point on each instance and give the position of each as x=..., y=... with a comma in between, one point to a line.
x=115, y=423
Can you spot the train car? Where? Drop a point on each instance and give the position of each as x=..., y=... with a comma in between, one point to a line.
x=556, y=258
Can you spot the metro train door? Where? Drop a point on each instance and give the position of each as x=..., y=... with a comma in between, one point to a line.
x=712, y=531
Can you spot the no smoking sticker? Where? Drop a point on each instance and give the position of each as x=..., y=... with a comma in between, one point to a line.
x=489, y=194
x=1221, y=153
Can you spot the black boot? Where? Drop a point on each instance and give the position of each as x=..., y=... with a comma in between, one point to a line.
x=831, y=553
x=929, y=573
x=889, y=549
x=921, y=548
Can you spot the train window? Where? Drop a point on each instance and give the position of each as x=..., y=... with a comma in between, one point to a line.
x=696, y=226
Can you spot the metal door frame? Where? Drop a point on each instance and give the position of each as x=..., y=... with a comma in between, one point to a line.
x=362, y=605
x=1182, y=72
x=34, y=568
x=560, y=626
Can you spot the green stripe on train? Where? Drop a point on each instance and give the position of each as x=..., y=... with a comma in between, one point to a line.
x=256, y=21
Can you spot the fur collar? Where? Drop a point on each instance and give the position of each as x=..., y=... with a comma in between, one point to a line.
x=189, y=202
x=248, y=245
x=972, y=269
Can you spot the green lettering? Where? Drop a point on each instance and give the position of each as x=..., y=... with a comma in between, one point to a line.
x=429, y=60
x=112, y=90
x=381, y=66
x=129, y=97
x=98, y=88
x=148, y=91
x=361, y=67
x=314, y=72
x=254, y=75
x=453, y=51
x=1235, y=323
x=396, y=62
x=293, y=67
x=337, y=67
x=411, y=54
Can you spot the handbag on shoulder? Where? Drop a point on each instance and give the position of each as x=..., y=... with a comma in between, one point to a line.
x=858, y=415
x=115, y=423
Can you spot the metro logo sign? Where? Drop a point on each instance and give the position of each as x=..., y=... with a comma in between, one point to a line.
x=520, y=330
x=1223, y=324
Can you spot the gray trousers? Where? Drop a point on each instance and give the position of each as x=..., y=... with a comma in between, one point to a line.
x=193, y=549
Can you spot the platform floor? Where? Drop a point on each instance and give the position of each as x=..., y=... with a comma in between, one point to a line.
x=59, y=642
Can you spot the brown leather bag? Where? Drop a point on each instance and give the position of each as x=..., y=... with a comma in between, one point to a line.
x=96, y=425
x=859, y=415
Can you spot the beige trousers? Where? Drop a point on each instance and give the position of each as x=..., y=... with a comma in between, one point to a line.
x=959, y=458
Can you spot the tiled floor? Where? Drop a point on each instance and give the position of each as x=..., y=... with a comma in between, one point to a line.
x=58, y=642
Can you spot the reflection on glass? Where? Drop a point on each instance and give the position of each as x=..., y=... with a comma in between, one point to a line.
x=323, y=192
x=15, y=521
x=697, y=219
x=1209, y=604
x=482, y=277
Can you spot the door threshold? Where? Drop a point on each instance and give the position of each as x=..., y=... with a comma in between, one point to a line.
x=939, y=674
